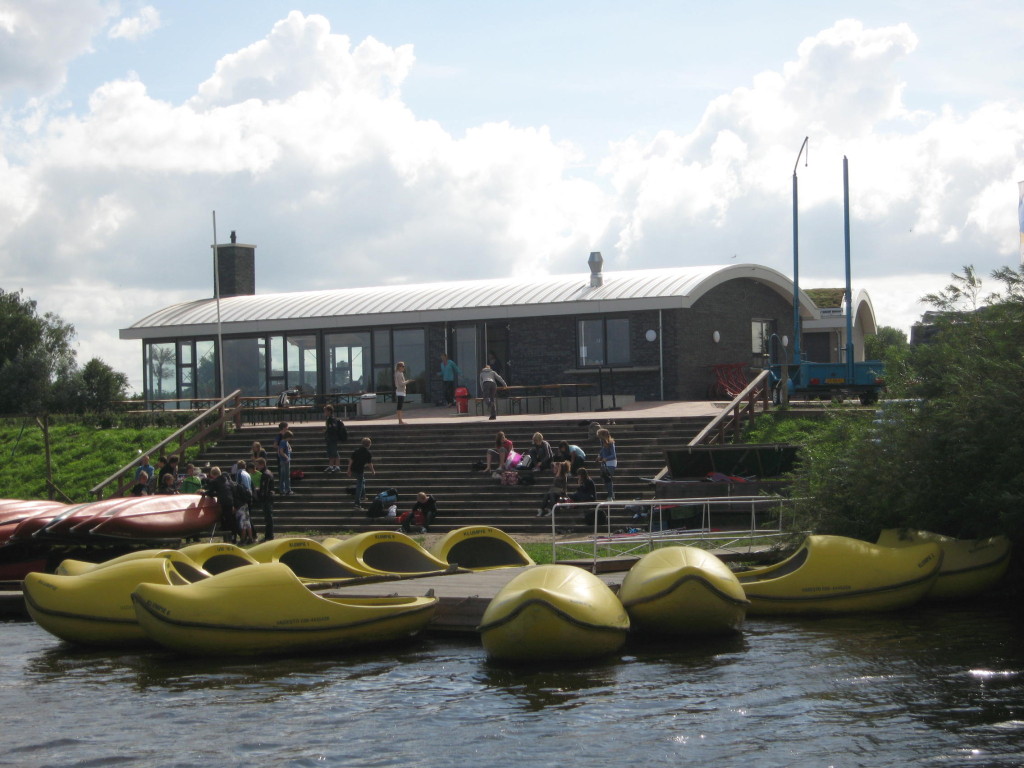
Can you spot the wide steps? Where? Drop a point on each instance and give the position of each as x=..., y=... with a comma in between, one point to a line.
x=437, y=458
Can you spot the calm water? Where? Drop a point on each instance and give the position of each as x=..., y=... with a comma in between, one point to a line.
x=933, y=687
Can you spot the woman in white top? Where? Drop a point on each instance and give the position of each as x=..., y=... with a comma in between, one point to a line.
x=400, y=384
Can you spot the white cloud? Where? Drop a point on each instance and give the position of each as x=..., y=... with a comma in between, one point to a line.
x=303, y=142
x=136, y=27
x=39, y=38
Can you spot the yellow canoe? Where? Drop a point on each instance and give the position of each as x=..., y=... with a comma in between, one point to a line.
x=970, y=567
x=836, y=574
x=480, y=548
x=71, y=567
x=265, y=609
x=309, y=559
x=95, y=607
x=385, y=553
x=683, y=591
x=553, y=612
x=217, y=558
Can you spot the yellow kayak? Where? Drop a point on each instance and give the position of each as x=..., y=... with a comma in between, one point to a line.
x=265, y=609
x=970, y=567
x=217, y=558
x=553, y=612
x=309, y=559
x=836, y=574
x=683, y=591
x=95, y=608
x=385, y=553
x=480, y=548
x=70, y=567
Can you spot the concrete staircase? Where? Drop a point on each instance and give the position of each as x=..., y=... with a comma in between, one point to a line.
x=437, y=458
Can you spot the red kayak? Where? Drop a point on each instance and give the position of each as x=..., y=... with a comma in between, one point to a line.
x=159, y=517
x=78, y=514
x=14, y=513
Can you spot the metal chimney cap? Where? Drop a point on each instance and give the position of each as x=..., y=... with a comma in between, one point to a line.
x=596, y=262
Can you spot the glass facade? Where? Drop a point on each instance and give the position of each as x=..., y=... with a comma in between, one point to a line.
x=264, y=366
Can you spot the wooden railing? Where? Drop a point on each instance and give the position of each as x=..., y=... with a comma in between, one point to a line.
x=731, y=419
x=228, y=410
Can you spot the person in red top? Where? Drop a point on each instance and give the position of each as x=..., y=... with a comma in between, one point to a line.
x=499, y=453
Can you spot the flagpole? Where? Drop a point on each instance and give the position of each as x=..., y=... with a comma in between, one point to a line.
x=216, y=289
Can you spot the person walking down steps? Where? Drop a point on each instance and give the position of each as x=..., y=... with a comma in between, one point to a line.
x=489, y=381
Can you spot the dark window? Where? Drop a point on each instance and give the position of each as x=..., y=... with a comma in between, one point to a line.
x=603, y=341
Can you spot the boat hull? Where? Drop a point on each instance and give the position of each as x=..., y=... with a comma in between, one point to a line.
x=95, y=608
x=481, y=548
x=835, y=574
x=386, y=553
x=553, y=613
x=265, y=610
x=683, y=591
x=970, y=567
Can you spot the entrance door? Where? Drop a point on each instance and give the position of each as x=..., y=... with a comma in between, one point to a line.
x=465, y=351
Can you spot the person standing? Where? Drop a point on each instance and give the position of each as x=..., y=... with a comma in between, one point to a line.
x=219, y=488
x=360, y=460
x=400, y=385
x=266, y=496
x=608, y=459
x=450, y=373
x=489, y=381
x=284, y=462
x=334, y=431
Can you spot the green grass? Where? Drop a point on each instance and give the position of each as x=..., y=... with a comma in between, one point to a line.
x=81, y=456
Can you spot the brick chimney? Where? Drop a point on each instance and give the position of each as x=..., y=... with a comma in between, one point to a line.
x=236, y=268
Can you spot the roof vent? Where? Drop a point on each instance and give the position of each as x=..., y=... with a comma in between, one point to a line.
x=596, y=262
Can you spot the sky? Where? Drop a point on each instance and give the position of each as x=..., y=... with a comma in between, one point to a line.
x=372, y=143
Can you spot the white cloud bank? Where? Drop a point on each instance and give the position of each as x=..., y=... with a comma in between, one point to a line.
x=302, y=142
x=136, y=27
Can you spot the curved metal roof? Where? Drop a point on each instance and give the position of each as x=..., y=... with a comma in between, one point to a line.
x=466, y=300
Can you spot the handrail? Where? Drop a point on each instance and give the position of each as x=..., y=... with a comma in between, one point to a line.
x=234, y=413
x=734, y=412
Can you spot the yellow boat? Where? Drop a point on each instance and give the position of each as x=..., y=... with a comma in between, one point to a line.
x=266, y=609
x=970, y=567
x=551, y=613
x=480, y=548
x=683, y=591
x=836, y=574
x=71, y=567
x=95, y=608
x=217, y=558
x=385, y=553
x=309, y=559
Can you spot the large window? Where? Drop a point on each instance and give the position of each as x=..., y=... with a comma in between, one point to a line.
x=161, y=371
x=348, y=362
x=603, y=341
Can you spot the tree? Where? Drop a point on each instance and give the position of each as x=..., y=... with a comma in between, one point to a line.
x=885, y=344
x=947, y=454
x=95, y=387
x=34, y=352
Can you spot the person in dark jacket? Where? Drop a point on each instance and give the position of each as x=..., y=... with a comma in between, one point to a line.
x=266, y=498
x=424, y=510
x=219, y=488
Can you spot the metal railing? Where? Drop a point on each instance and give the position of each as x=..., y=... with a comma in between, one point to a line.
x=125, y=477
x=765, y=526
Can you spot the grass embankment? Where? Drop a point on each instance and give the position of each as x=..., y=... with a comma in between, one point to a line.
x=81, y=456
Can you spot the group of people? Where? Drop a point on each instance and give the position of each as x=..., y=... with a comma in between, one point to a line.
x=490, y=379
x=564, y=461
x=360, y=462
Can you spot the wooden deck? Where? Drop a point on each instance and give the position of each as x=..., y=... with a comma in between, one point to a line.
x=462, y=597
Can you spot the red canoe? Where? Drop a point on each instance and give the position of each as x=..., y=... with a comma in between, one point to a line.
x=159, y=517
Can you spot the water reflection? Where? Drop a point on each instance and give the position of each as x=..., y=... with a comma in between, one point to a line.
x=941, y=685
